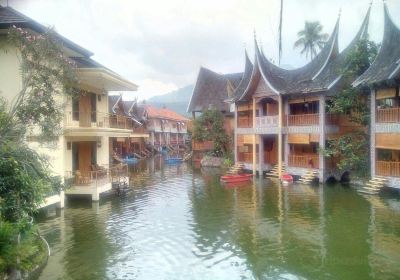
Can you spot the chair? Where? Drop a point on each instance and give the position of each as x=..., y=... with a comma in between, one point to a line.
x=80, y=179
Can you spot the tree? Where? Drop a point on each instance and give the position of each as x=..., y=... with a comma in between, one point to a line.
x=310, y=39
x=352, y=103
x=25, y=177
x=210, y=127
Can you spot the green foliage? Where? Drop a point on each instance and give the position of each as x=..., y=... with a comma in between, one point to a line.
x=25, y=178
x=31, y=250
x=311, y=38
x=352, y=148
x=210, y=127
x=47, y=76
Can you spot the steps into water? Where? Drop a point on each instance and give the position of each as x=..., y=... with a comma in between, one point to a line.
x=309, y=177
x=374, y=185
x=274, y=173
x=236, y=168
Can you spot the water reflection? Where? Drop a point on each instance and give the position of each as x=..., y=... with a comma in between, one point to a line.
x=179, y=223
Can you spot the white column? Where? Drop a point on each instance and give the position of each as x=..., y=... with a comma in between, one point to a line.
x=280, y=144
x=254, y=137
x=235, y=147
x=322, y=136
x=260, y=155
x=373, y=132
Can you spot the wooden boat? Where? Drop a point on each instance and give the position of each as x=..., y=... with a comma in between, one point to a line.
x=236, y=178
x=130, y=160
x=173, y=160
x=287, y=179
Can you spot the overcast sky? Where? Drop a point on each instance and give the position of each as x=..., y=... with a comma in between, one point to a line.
x=160, y=44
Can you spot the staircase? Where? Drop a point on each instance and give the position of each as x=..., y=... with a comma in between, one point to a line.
x=187, y=156
x=309, y=177
x=273, y=173
x=236, y=169
x=373, y=186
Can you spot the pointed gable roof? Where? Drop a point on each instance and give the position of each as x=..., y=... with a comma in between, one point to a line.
x=386, y=66
x=212, y=89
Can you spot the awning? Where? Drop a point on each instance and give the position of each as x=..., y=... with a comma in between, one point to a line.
x=104, y=79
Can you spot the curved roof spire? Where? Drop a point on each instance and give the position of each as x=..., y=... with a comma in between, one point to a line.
x=281, y=79
x=387, y=63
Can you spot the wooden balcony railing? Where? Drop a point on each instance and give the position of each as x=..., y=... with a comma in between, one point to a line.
x=98, y=177
x=271, y=157
x=304, y=161
x=202, y=146
x=303, y=120
x=97, y=119
x=267, y=121
x=388, y=168
x=245, y=157
x=391, y=115
x=245, y=122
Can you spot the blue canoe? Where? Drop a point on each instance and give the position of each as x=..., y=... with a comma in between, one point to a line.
x=173, y=160
x=130, y=160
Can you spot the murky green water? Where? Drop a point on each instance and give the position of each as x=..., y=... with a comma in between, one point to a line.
x=177, y=223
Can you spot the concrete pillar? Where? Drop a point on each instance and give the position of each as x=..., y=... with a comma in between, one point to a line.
x=322, y=137
x=95, y=195
x=260, y=155
x=286, y=149
x=62, y=200
x=254, y=138
x=280, y=144
x=373, y=132
x=235, y=147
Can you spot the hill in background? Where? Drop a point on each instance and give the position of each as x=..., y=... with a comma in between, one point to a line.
x=177, y=100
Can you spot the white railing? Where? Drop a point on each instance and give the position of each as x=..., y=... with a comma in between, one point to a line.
x=267, y=121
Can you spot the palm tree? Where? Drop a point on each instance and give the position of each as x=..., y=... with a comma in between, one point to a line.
x=311, y=38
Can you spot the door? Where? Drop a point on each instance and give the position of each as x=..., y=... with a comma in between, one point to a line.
x=85, y=111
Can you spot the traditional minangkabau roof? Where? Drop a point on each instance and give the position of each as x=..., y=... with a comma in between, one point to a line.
x=10, y=17
x=386, y=66
x=164, y=114
x=321, y=74
x=211, y=90
x=113, y=103
x=248, y=70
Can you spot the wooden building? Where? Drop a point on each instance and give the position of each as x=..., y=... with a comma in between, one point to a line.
x=281, y=117
x=210, y=92
x=383, y=81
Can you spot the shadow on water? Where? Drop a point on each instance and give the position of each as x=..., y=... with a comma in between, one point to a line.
x=178, y=222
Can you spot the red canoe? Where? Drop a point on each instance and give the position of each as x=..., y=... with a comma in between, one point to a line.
x=236, y=178
x=287, y=178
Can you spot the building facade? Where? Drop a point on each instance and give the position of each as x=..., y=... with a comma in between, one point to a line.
x=80, y=155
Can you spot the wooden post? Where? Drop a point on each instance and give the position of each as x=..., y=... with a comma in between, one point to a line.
x=280, y=144
x=254, y=137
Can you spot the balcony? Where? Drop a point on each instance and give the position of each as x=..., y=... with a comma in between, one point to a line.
x=95, y=182
x=303, y=120
x=245, y=122
x=97, y=120
x=95, y=178
x=245, y=157
x=390, y=115
x=267, y=121
x=202, y=146
x=304, y=161
x=388, y=168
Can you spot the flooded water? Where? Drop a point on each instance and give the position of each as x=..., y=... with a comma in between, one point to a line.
x=177, y=222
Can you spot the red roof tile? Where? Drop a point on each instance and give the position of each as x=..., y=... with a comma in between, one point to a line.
x=164, y=113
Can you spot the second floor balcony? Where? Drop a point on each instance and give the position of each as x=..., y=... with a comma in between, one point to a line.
x=267, y=121
x=388, y=115
x=303, y=120
x=96, y=119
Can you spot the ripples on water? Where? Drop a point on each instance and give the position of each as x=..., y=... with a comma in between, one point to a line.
x=176, y=223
